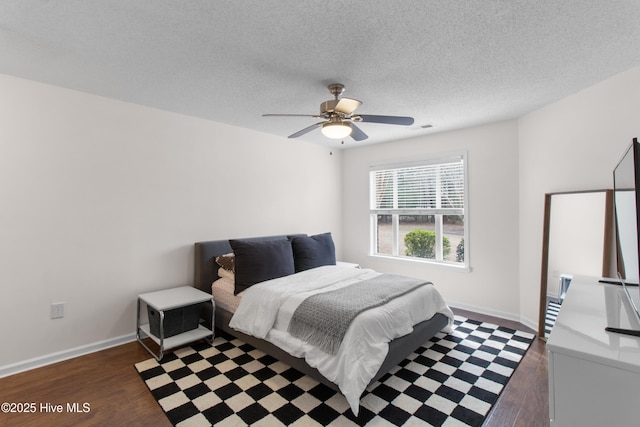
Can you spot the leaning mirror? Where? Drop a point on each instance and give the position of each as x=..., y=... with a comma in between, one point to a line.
x=576, y=240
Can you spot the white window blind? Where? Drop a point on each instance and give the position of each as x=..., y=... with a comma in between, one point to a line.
x=423, y=187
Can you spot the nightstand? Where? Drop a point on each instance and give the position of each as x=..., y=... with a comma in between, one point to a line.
x=171, y=299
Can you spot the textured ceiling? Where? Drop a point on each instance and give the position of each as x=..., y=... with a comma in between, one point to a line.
x=451, y=64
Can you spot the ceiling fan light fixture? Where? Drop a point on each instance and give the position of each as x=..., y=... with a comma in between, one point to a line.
x=336, y=130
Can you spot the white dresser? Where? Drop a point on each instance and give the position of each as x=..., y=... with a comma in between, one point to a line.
x=594, y=375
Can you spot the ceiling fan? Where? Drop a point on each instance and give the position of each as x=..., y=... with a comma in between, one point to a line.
x=339, y=120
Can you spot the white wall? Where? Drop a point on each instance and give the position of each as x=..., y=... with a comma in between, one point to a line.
x=492, y=284
x=572, y=144
x=102, y=200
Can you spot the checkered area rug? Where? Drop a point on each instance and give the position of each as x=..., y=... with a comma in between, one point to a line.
x=553, y=309
x=454, y=379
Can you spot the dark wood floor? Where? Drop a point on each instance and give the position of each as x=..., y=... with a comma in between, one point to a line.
x=110, y=385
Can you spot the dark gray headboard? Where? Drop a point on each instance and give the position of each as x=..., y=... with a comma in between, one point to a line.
x=206, y=269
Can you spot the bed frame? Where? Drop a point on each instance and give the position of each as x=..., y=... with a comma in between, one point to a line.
x=206, y=272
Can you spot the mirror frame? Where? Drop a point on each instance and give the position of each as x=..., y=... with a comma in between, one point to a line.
x=606, y=248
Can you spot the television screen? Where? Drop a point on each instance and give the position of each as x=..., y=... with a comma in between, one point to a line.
x=625, y=184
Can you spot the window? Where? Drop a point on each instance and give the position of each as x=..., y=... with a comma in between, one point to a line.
x=418, y=210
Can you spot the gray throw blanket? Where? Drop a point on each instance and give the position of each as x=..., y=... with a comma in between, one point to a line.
x=323, y=319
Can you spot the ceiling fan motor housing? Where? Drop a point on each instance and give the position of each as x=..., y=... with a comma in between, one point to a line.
x=342, y=107
x=328, y=106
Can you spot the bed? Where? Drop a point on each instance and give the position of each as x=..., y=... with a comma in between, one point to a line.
x=207, y=272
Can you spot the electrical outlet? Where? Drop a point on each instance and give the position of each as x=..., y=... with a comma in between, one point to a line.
x=57, y=310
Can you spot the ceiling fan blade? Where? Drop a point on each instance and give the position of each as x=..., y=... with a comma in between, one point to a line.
x=347, y=105
x=356, y=133
x=290, y=115
x=390, y=120
x=305, y=130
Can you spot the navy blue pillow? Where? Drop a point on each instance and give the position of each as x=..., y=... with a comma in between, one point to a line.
x=256, y=261
x=313, y=251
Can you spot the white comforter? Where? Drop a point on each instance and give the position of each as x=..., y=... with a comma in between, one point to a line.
x=266, y=309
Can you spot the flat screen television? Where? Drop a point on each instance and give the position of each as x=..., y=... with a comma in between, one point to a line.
x=626, y=186
x=626, y=195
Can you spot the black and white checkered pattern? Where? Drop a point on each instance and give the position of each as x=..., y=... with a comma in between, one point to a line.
x=553, y=309
x=453, y=379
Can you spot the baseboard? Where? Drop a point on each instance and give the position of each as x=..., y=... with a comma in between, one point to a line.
x=49, y=359
x=496, y=313
x=530, y=323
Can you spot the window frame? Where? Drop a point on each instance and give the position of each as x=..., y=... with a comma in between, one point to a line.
x=436, y=212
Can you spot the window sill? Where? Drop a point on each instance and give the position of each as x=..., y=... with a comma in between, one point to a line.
x=446, y=266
